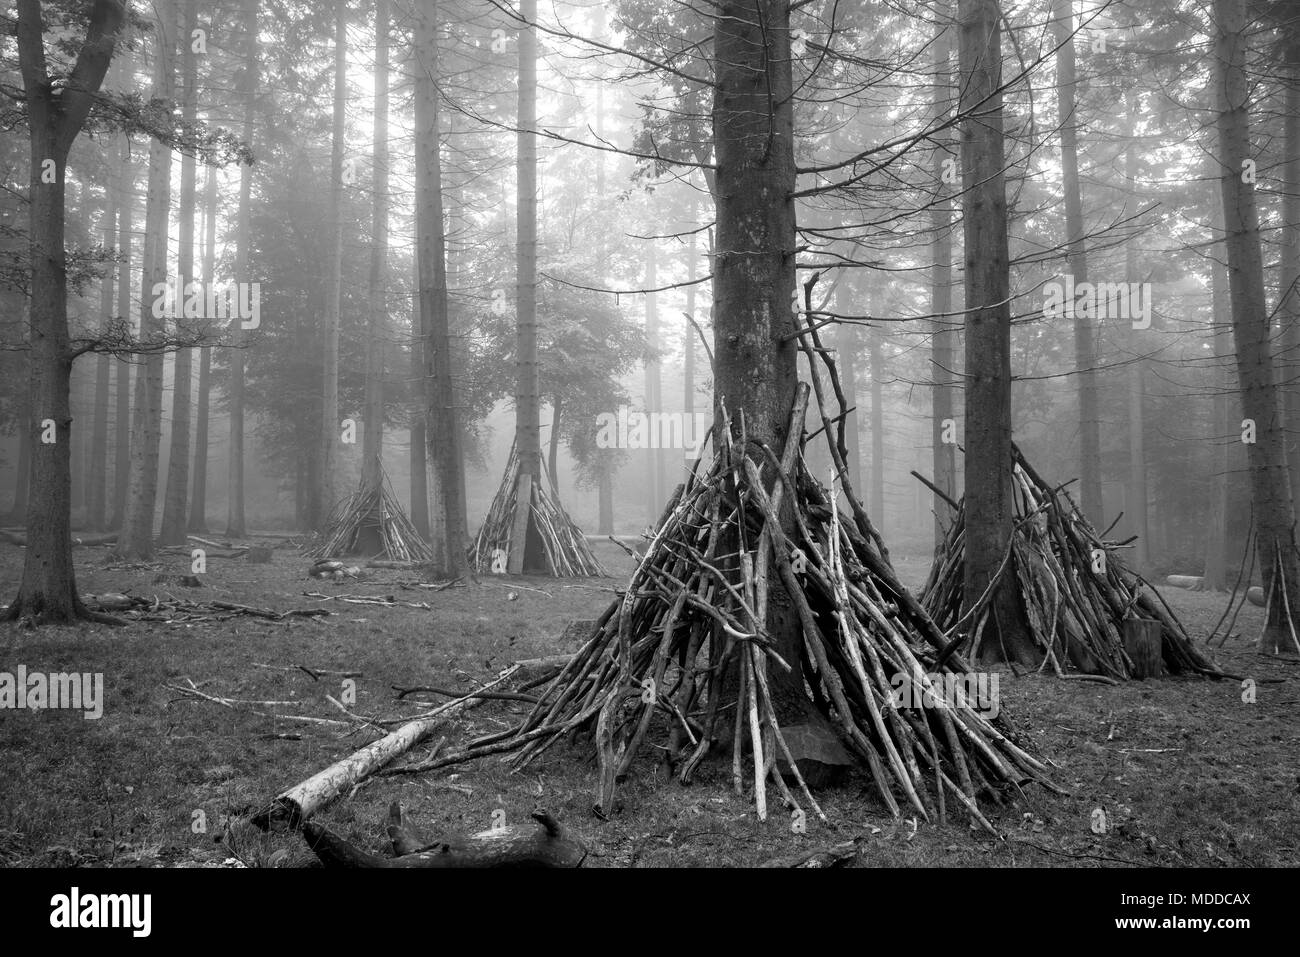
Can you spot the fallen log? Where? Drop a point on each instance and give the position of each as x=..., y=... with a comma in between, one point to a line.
x=528, y=665
x=20, y=538
x=1190, y=582
x=547, y=843
x=292, y=807
x=832, y=855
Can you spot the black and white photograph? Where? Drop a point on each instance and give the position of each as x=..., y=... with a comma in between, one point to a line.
x=763, y=435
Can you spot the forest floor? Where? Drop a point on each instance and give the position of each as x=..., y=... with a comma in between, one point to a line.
x=1184, y=772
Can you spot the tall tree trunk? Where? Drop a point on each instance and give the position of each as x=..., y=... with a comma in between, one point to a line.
x=199, y=495
x=605, y=458
x=369, y=540
x=847, y=352
x=688, y=343
x=329, y=424
x=419, y=463
x=989, y=513
x=1227, y=438
x=1289, y=274
x=135, y=541
x=657, y=495
x=458, y=322
x=235, y=522
x=943, y=333
x=97, y=473
x=178, y=460
x=754, y=269
x=1085, y=350
x=1137, y=502
x=441, y=419
x=1274, y=516
x=553, y=453
x=122, y=365
x=376, y=327
x=527, y=371
x=48, y=589
x=878, y=514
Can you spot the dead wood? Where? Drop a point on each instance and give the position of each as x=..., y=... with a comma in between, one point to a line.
x=545, y=843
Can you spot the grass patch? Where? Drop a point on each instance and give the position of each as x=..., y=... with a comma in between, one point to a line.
x=1184, y=772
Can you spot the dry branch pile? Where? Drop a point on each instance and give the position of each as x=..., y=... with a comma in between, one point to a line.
x=1075, y=591
x=567, y=553
x=686, y=654
x=371, y=513
x=179, y=611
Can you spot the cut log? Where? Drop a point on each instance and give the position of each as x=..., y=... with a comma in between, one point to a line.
x=1190, y=582
x=402, y=834
x=545, y=843
x=291, y=808
x=1142, y=643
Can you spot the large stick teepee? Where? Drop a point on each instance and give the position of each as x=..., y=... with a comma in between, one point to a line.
x=502, y=544
x=1076, y=592
x=684, y=656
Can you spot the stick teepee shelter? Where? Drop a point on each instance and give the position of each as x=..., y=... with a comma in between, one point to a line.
x=685, y=655
x=368, y=518
x=1078, y=596
x=502, y=543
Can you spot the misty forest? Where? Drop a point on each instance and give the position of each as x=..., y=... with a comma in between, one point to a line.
x=462, y=433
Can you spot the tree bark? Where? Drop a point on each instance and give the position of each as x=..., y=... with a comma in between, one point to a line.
x=235, y=522
x=1274, y=516
x=527, y=399
x=369, y=541
x=136, y=540
x=178, y=460
x=97, y=472
x=688, y=342
x=988, y=463
x=1137, y=499
x=199, y=495
x=877, y=372
x=754, y=265
x=553, y=453
x=847, y=353
x=1085, y=350
x=377, y=319
x=943, y=333
x=441, y=419
x=606, y=457
x=47, y=592
x=1289, y=273
x=330, y=423
x=121, y=364
x=656, y=494
x=419, y=464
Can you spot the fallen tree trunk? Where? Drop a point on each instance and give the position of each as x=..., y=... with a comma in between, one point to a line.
x=291, y=808
x=20, y=538
x=547, y=843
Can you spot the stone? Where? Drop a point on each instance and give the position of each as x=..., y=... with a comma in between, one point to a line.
x=818, y=753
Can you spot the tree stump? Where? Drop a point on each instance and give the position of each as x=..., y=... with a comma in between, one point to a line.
x=1142, y=643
